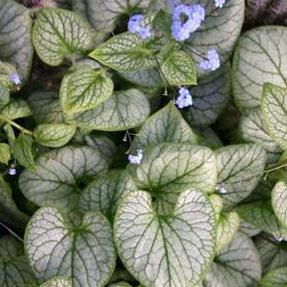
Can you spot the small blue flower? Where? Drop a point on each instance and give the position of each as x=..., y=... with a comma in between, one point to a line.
x=12, y=171
x=219, y=3
x=136, y=158
x=135, y=26
x=212, y=61
x=15, y=78
x=184, y=99
x=186, y=19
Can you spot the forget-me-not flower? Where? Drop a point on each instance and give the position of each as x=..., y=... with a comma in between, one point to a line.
x=219, y=3
x=212, y=61
x=14, y=77
x=12, y=171
x=186, y=19
x=137, y=157
x=135, y=26
x=184, y=99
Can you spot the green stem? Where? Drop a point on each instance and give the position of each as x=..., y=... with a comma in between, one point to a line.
x=274, y=169
x=11, y=231
x=12, y=123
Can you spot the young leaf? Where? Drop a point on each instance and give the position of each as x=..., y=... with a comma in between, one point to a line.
x=275, y=278
x=179, y=69
x=259, y=58
x=22, y=151
x=60, y=33
x=104, y=193
x=166, y=125
x=84, y=252
x=168, y=169
x=54, y=135
x=15, y=36
x=279, y=202
x=210, y=97
x=4, y=153
x=124, y=53
x=274, y=109
x=46, y=107
x=173, y=250
x=85, y=89
x=122, y=111
x=16, y=109
x=238, y=264
x=58, y=282
x=58, y=175
x=4, y=95
x=240, y=168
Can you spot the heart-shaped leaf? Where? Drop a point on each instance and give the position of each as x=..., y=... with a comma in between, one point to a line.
x=59, y=173
x=210, y=97
x=58, y=34
x=4, y=153
x=275, y=278
x=274, y=109
x=54, y=135
x=14, y=268
x=259, y=58
x=122, y=111
x=15, y=36
x=83, y=252
x=84, y=89
x=279, y=202
x=171, y=250
x=124, y=53
x=104, y=193
x=240, y=168
x=238, y=265
x=58, y=282
x=166, y=125
x=168, y=169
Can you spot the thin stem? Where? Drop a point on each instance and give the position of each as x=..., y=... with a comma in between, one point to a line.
x=11, y=231
x=162, y=75
x=12, y=123
x=274, y=169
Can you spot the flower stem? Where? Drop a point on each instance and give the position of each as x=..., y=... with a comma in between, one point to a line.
x=274, y=169
x=12, y=123
x=11, y=231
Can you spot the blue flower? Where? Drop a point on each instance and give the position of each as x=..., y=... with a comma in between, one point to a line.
x=212, y=61
x=186, y=19
x=135, y=26
x=136, y=158
x=219, y=3
x=184, y=99
x=12, y=171
x=15, y=78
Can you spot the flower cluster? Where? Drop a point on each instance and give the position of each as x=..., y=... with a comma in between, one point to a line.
x=185, y=20
x=137, y=157
x=219, y=3
x=135, y=26
x=211, y=62
x=184, y=99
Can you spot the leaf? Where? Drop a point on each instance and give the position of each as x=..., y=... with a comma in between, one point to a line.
x=9, y=212
x=16, y=109
x=171, y=250
x=85, y=89
x=179, y=69
x=220, y=30
x=275, y=278
x=14, y=268
x=274, y=110
x=4, y=95
x=237, y=265
x=253, y=130
x=239, y=168
x=168, y=169
x=122, y=111
x=120, y=284
x=58, y=34
x=166, y=125
x=210, y=97
x=22, y=151
x=272, y=255
x=258, y=58
x=46, y=107
x=59, y=175
x=4, y=153
x=124, y=53
x=54, y=135
x=15, y=36
x=83, y=252
x=279, y=202
x=104, y=193
x=57, y=282
x=227, y=226
x=103, y=15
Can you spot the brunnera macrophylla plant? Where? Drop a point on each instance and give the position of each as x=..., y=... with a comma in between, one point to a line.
x=111, y=174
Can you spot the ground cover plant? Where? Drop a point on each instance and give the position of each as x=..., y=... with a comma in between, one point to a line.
x=143, y=143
